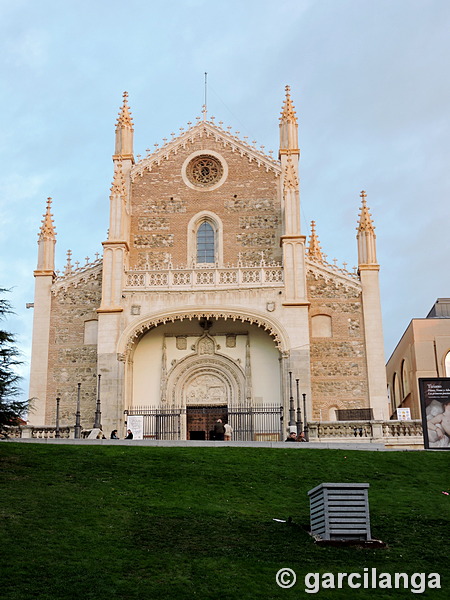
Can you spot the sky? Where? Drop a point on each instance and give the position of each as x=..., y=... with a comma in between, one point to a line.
x=369, y=80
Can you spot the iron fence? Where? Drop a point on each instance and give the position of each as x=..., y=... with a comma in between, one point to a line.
x=259, y=423
x=160, y=423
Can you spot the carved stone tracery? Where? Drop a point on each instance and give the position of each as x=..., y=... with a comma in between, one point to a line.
x=204, y=170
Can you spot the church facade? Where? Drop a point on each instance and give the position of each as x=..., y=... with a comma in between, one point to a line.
x=208, y=298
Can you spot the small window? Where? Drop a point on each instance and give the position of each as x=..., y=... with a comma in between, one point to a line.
x=205, y=243
x=321, y=326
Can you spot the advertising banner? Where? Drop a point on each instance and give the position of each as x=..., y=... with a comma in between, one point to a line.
x=435, y=406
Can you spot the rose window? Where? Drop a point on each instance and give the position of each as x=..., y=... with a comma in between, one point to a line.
x=204, y=171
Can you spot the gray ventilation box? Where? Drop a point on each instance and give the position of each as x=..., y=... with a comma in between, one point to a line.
x=340, y=511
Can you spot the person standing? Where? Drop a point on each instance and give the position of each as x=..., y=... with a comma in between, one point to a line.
x=219, y=430
x=228, y=432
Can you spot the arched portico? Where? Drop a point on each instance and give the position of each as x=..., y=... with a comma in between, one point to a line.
x=216, y=365
x=131, y=335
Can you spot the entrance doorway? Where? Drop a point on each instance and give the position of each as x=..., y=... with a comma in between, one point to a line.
x=200, y=420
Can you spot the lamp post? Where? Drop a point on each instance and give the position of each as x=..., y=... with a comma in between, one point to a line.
x=299, y=410
x=57, y=433
x=291, y=404
x=305, y=429
x=98, y=413
x=77, y=430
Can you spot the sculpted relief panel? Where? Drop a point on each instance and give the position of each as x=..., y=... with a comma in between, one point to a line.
x=206, y=388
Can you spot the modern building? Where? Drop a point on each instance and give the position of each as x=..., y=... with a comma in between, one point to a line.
x=206, y=297
x=423, y=351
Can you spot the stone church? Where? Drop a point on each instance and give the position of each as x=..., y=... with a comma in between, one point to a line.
x=208, y=301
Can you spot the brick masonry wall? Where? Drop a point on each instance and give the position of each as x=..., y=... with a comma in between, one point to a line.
x=338, y=363
x=163, y=205
x=70, y=360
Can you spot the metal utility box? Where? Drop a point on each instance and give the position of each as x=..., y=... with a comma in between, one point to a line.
x=340, y=511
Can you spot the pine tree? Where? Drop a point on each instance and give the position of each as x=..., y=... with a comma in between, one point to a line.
x=11, y=409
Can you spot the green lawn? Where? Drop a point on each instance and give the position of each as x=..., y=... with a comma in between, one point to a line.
x=106, y=522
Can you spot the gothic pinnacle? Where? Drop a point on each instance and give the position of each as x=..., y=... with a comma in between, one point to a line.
x=365, y=218
x=124, y=119
x=288, y=110
x=47, y=230
x=314, y=249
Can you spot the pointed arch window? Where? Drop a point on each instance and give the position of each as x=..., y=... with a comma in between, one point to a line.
x=206, y=243
x=205, y=239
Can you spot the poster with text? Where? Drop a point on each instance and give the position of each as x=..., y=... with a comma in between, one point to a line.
x=136, y=424
x=435, y=406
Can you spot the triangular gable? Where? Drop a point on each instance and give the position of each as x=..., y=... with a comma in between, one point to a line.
x=200, y=130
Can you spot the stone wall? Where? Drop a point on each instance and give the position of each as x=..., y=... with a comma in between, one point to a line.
x=71, y=361
x=338, y=363
x=163, y=205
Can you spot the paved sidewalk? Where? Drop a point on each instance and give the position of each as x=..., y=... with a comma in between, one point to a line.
x=204, y=444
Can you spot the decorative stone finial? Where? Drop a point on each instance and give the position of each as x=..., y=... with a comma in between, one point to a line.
x=47, y=231
x=314, y=249
x=68, y=267
x=124, y=119
x=288, y=110
x=365, y=218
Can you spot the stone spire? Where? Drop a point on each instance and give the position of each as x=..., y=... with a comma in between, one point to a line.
x=288, y=110
x=44, y=276
x=368, y=270
x=46, y=242
x=47, y=231
x=289, y=156
x=367, y=254
x=365, y=218
x=288, y=127
x=314, y=249
x=124, y=132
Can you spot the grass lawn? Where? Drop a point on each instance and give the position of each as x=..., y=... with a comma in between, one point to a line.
x=102, y=522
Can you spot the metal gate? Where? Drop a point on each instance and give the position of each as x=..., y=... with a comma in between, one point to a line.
x=262, y=423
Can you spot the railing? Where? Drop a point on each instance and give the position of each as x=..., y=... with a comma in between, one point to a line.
x=394, y=433
x=38, y=433
x=261, y=423
x=267, y=275
x=258, y=424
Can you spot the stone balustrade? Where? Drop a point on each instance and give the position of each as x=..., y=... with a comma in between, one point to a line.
x=393, y=434
x=390, y=433
x=39, y=433
x=266, y=275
